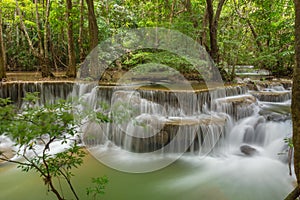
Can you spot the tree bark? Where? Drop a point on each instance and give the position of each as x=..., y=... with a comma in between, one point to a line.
x=45, y=60
x=92, y=69
x=203, y=37
x=81, y=27
x=71, y=70
x=93, y=27
x=213, y=20
x=2, y=52
x=296, y=103
x=296, y=94
x=38, y=27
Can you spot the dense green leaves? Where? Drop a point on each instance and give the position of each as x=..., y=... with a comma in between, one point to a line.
x=98, y=187
x=46, y=138
x=258, y=33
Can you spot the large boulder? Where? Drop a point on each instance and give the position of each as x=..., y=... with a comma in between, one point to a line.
x=7, y=148
x=248, y=150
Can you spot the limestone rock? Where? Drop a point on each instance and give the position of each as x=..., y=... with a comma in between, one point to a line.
x=248, y=150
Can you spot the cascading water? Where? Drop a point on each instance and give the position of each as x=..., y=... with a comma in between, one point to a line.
x=235, y=129
x=146, y=121
x=233, y=139
x=228, y=120
x=49, y=92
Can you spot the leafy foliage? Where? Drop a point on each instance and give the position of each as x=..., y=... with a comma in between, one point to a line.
x=36, y=131
x=163, y=60
x=258, y=33
x=98, y=188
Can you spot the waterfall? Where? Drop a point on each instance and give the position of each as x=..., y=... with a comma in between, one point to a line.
x=219, y=144
x=168, y=121
x=202, y=122
x=49, y=92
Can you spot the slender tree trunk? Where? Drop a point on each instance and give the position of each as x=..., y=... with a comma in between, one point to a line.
x=93, y=67
x=93, y=27
x=212, y=31
x=17, y=31
x=38, y=25
x=53, y=189
x=296, y=103
x=2, y=51
x=44, y=59
x=45, y=64
x=172, y=11
x=19, y=13
x=71, y=71
x=203, y=37
x=213, y=20
x=81, y=27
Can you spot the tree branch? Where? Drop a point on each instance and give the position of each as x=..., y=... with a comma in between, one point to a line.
x=69, y=183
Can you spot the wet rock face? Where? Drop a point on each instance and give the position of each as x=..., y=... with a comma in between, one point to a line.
x=276, y=112
x=248, y=150
x=7, y=148
x=275, y=117
x=238, y=107
x=277, y=85
x=174, y=134
x=272, y=96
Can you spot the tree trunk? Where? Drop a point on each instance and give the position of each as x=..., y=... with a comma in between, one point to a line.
x=296, y=102
x=172, y=11
x=213, y=20
x=296, y=95
x=33, y=50
x=45, y=63
x=2, y=52
x=93, y=27
x=38, y=27
x=43, y=58
x=212, y=32
x=81, y=26
x=93, y=67
x=203, y=36
x=71, y=71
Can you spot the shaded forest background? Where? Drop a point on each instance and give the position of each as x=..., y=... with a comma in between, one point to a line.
x=57, y=35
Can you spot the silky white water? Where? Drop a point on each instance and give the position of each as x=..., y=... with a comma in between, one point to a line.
x=179, y=152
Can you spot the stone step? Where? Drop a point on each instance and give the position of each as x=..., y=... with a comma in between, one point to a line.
x=176, y=134
x=272, y=96
x=237, y=107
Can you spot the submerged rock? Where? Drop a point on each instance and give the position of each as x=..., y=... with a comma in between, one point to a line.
x=248, y=150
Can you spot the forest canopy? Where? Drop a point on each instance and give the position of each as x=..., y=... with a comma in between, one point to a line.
x=52, y=35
